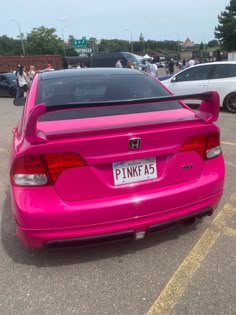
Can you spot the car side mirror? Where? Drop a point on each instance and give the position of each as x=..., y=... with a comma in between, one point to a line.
x=19, y=101
x=173, y=79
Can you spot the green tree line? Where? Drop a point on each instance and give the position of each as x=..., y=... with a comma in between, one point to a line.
x=45, y=41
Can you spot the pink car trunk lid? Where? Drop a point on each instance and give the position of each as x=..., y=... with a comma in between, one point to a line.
x=124, y=155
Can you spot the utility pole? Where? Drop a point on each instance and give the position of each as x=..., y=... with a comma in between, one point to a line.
x=21, y=36
x=64, y=46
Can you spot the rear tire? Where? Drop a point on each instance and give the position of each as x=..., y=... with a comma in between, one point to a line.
x=230, y=102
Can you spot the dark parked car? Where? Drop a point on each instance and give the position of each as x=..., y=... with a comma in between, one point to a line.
x=8, y=84
x=108, y=59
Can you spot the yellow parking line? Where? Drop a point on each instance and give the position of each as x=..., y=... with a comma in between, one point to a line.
x=226, y=213
x=177, y=285
x=230, y=232
x=228, y=143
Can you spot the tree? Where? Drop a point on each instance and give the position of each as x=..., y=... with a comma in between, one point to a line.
x=141, y=38
x=114, y=45
x=70, y=50
x=225, y=32
x=201, y=47
x=44, y=41
x=10, y=46
x=213, y=43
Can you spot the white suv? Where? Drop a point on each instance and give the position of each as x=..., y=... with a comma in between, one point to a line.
x=214, y=76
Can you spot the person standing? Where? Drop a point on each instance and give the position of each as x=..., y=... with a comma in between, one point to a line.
x=118, y=64
x=183, y=65
x=171, y=67
x=167, y=68
x=191, y=63
x=17, y=83
x=152, y=68
x=31, y=73
x=49, y=68
x=23, y=80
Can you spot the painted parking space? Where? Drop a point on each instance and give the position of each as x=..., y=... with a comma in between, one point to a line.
x=175, y=289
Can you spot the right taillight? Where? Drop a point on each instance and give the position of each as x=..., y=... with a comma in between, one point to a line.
x=41, y=170
x=207, y=145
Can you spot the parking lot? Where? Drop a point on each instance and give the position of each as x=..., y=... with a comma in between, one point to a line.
x=188, y=270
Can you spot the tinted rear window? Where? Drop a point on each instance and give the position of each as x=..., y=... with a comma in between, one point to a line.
x=99, y=88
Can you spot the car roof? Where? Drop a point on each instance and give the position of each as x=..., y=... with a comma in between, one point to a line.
x=5, y=73
x=8, y=74
x=214, y=63
x=86, y=72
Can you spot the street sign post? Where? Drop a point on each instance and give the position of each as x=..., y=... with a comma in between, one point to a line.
x=80, y=43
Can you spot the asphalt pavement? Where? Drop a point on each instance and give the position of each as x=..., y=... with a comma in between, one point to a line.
x=188, y=270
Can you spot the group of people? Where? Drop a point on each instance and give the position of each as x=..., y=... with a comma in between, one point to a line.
x=169, y=65
x=130, y=64
x=149, y=66
x=186, y=63
x=24, y=78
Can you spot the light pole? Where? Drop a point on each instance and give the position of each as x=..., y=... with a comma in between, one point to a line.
x=62, y=31
x=178, y=48
x=131, y=40
x=21, y=36
x=64, y=47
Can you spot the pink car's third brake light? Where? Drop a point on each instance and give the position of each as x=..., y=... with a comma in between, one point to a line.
x=38, y=170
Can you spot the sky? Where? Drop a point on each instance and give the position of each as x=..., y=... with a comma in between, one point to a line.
x=108, y=19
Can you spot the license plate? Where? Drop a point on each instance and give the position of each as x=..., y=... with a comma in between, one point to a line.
x=134, y=171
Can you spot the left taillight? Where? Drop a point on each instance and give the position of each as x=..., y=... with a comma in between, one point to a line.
x=41, y=170
x=207, y=145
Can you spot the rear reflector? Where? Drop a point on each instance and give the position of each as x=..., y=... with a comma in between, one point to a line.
x=207, y=145
x=38, y=170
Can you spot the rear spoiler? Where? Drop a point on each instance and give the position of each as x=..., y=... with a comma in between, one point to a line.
x=208, y=110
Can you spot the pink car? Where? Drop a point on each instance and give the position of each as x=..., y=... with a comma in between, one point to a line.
x=104, y=154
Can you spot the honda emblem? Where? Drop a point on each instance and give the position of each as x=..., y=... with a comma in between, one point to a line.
x=134, y=143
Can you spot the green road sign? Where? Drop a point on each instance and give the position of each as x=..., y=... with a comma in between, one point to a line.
x=80, y=43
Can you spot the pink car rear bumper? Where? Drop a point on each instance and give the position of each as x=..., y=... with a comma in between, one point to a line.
x=38, y=224
x=40, y=238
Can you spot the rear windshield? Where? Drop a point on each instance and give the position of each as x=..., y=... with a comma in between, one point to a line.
x=99, y=88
